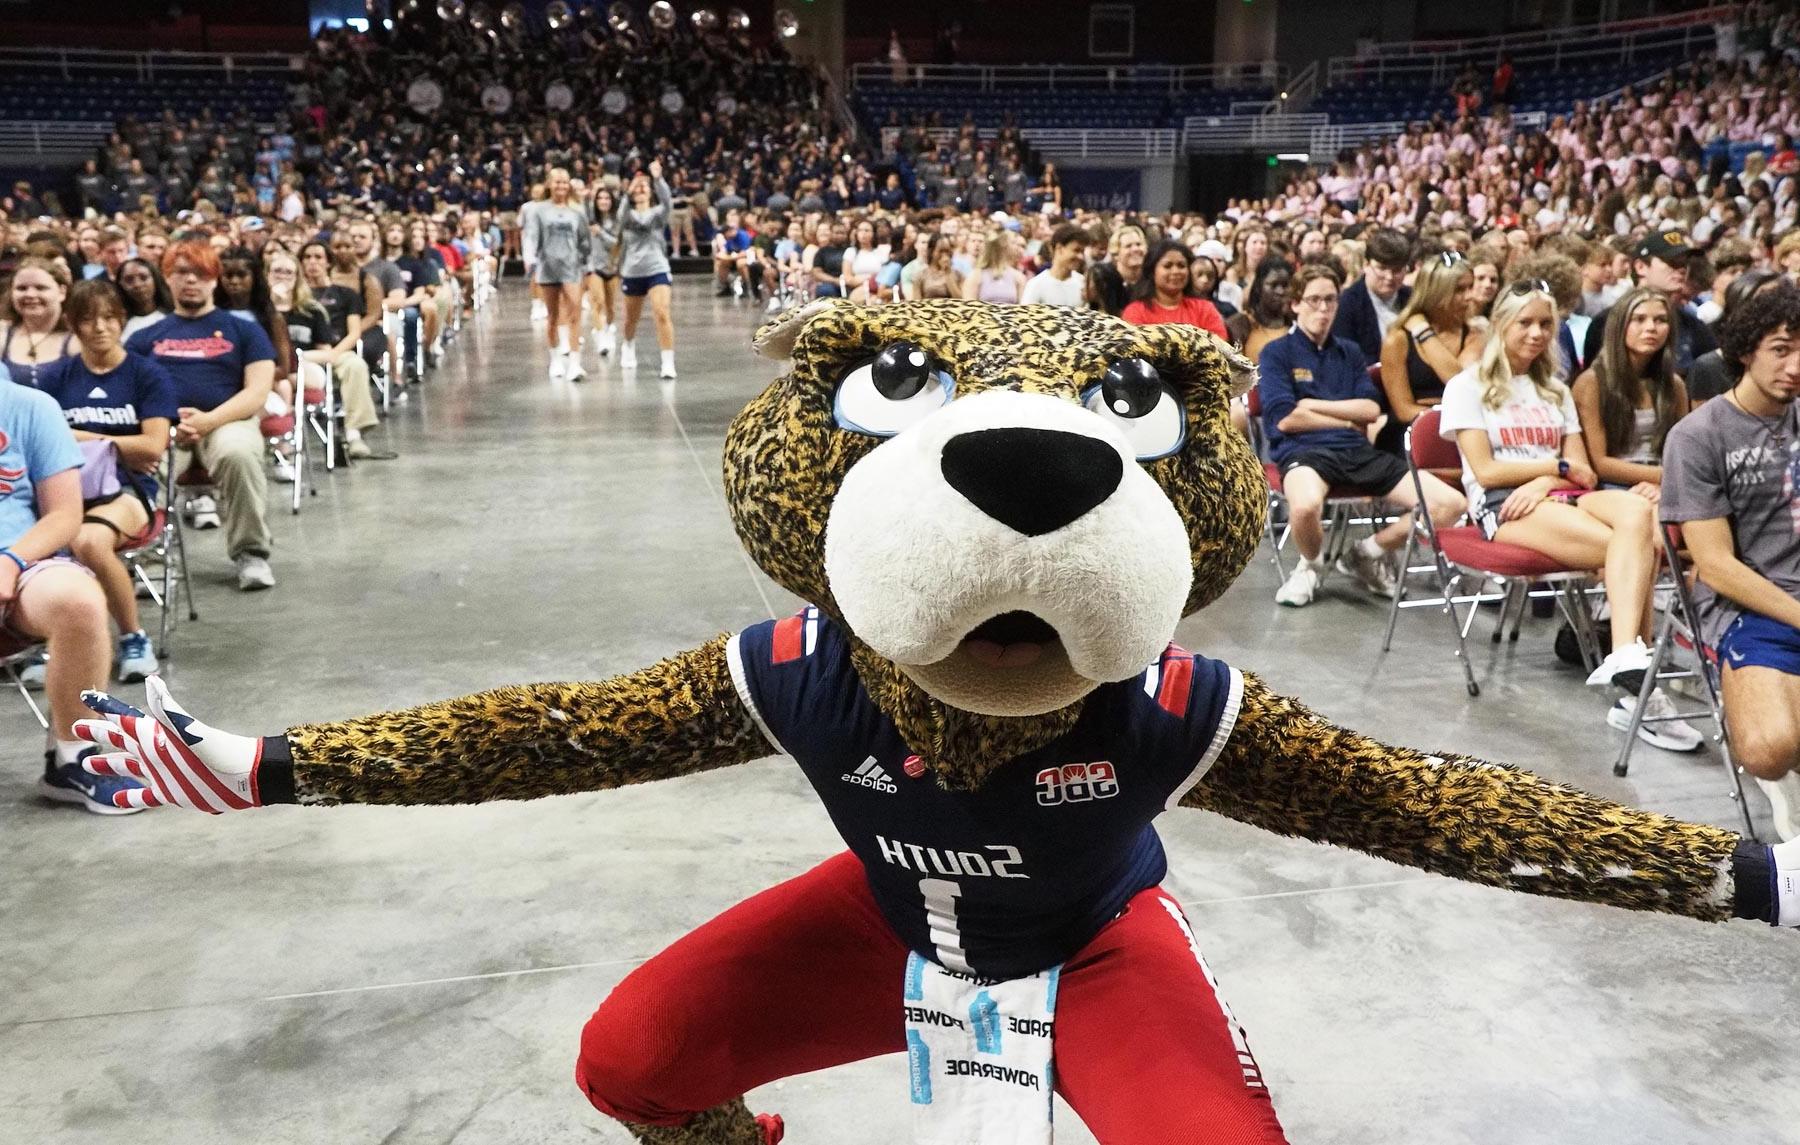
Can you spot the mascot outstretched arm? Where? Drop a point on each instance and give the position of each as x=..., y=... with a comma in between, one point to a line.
x=1001, y=513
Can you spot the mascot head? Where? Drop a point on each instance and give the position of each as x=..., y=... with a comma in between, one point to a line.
x=1005, y=506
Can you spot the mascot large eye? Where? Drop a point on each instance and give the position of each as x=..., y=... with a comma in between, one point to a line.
x=1146, y=409
x=896, y=389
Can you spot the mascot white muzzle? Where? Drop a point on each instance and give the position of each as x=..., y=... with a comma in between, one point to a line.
x=1009, y=553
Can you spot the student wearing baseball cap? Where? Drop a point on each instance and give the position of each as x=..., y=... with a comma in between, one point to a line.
x=1660, y=261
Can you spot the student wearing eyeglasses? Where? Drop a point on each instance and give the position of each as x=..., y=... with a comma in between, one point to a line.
x=1318, y=407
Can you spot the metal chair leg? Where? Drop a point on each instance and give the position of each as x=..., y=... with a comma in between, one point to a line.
x=1462, y=644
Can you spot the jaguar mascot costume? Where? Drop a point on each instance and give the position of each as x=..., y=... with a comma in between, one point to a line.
x=1000, y=513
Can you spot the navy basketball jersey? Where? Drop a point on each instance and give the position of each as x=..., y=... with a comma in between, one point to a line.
x=1019, y=875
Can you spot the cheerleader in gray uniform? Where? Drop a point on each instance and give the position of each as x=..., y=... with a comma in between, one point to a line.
x=557, y=235
x=644, y=265
x=603, y=270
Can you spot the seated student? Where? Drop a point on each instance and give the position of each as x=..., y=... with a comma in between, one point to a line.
x=731, y=257
x=424, y=282
x=1318, y=404
x=1061, y=283
x=147, y=298
x=1165, y=292
x=223, y=368
x=44, y=595
x=1530, y=483
x=1629, y=398
x=1662, y=260
x=1711, y=374
x=1728, y=479
x=1430, y=341
x=1266, y=315
x=323, y=314
x=110, y=395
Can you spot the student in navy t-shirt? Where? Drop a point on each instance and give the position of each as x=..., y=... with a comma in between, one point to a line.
x=109, y=394
x=223, y=368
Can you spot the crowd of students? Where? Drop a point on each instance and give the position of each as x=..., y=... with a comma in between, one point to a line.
x=169, y=354
x=1570, y=302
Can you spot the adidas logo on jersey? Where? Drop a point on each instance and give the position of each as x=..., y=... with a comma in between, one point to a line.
x=871, y=775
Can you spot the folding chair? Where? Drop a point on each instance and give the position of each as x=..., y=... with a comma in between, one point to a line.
x=1462, y=552
x=15, y=653
x=318, y=405
x=162, y=540
x=1340, y=501
x=290, y=430
x=1680, y=627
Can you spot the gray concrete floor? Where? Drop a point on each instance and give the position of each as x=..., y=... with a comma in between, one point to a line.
x=413, y=976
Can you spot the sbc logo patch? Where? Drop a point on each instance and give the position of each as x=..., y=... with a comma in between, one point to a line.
x=1076, y=783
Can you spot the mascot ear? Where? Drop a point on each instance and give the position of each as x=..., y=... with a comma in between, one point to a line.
x=776, y=338
x=1239, y=370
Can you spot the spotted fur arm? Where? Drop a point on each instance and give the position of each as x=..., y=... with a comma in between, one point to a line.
x=1287, y=770
x=676, y=717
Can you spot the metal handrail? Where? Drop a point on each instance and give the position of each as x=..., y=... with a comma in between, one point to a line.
x=1052, y=77
x=43, y=137
x=1439, y=61
x=72, y=63
x=1072, y=142
x=1508, y=41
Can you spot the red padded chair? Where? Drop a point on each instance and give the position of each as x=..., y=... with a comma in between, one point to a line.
x=1463, y=553
x=1341, y=501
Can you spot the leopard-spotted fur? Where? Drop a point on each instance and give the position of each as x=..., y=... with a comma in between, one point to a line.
x=1283, y=768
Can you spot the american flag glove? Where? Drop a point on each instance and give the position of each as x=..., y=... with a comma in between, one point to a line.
x=179, y=760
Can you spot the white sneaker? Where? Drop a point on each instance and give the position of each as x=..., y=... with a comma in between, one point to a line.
x=32, y=674
x=1301, y=584
x=1623, y=667
x=1784, y=802
x=540, y=312
x=667, y=369
x=603, y=341
x=1672, y=735
x=254, y=573
x=775, y=304
x=203, y=513
x=282, y=469
x=628, y=357
x=575, y=372
x=556, y=364
x=1374, y=571
x=737, y=288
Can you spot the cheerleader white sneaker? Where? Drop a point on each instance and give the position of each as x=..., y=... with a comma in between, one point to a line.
x=667, y=369
x=575, y=373
x=556, y=364
x=628, y=357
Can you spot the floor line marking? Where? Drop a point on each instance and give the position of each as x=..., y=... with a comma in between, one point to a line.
x=749, y=565
x=1311, y=891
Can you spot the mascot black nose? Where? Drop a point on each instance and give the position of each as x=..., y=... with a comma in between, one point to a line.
x=1032, y=480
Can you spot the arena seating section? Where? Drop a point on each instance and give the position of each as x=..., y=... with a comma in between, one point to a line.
x=93, y=98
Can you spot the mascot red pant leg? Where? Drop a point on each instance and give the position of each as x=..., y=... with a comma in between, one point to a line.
x=807, y=975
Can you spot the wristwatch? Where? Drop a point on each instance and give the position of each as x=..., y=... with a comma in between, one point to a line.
x=1562, y=467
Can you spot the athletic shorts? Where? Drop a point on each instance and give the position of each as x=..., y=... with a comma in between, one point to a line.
x=604, y=275
x=1487, y=514
x=1757, y=641
x=6, y=629
x=1359, y=467
x=640, y=286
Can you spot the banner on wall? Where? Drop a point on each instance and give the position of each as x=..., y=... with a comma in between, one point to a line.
x=1102, y=188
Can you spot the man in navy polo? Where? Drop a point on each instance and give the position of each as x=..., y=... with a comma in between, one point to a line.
x=1319, y=407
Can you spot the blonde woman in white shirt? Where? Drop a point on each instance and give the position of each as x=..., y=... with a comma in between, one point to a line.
x=1530, y=482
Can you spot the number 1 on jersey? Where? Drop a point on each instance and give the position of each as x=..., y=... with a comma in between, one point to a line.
x=940, y=897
